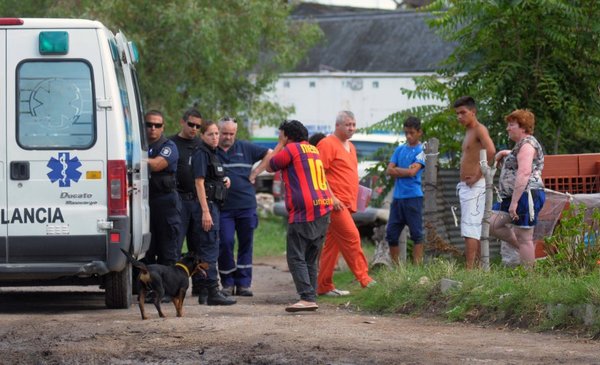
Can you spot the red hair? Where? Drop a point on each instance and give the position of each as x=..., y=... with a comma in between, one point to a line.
x=524, y=118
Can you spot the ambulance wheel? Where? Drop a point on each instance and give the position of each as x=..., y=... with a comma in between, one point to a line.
x=117, y=285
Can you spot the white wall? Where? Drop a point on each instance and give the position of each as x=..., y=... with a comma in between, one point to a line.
x=318, y=97
x=383, y=4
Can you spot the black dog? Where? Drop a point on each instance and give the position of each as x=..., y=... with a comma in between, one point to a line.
x=171, y=280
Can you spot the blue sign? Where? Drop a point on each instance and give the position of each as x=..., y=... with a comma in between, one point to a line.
x=64, y=169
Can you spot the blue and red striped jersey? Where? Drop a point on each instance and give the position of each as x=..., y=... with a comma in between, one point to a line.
x=307, y=194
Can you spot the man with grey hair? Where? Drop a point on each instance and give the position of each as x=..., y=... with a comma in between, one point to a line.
x=341, y=171
x=238, y=214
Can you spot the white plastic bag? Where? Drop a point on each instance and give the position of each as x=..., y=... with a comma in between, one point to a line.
x=510, y=255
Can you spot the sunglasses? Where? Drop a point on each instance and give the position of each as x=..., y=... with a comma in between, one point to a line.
x=154, y=125
x=194, y=125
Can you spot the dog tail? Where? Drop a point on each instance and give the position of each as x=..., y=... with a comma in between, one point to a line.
x=137, y=264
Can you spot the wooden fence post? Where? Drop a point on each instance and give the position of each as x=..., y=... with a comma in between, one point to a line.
x=430, y=180
x=488, y=173
x=430, y=185
x=402, y=243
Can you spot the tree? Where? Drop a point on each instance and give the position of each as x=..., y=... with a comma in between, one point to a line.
x=217, y=55
x=538, y=54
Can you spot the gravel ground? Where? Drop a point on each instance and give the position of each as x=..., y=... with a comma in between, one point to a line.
x=71, y=326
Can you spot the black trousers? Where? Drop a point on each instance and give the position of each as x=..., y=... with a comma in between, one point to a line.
x=165, y=222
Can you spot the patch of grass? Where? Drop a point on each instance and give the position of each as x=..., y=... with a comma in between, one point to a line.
x=269, y=236
x=507, y=297
x=404, y=289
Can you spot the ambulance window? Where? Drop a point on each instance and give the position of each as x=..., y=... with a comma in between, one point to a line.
x=126, y=110
x=138, y=99
x=55, y=105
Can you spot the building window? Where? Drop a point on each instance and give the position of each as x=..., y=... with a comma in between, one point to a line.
x=286, y=84
x=375, y=84
x=312, y=84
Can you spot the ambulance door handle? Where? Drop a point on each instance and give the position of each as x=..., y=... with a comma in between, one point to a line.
x=19, y=170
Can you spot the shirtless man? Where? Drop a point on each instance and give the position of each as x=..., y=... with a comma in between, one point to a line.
x=471, y=189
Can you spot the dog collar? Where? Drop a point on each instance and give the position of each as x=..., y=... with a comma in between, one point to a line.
x=184, y=267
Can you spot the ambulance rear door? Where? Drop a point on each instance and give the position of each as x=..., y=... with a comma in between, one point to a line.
x=137, y=145
x=56, y=146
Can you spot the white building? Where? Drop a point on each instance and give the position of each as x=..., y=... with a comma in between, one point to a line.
x=364, y=61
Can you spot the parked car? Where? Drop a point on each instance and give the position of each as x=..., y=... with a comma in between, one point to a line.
x=373, y=151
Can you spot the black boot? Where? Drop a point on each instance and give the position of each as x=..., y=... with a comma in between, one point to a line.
x=215, y=297
x=202, y=296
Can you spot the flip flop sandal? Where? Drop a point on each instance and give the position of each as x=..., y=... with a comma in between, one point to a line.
x=301, y=307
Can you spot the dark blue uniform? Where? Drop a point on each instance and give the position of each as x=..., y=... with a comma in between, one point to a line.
x=191, y=220
x=165, y=206
x=238, y=214
x=206, y=165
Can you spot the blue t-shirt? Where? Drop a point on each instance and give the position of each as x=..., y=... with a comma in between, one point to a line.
x=238, y=161
x=404, y=156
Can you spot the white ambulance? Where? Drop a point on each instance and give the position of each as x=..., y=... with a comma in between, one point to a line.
x=73, y=156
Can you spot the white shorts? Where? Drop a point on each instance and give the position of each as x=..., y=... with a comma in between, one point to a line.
x=472, y=206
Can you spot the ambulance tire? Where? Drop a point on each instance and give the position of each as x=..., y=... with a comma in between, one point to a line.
x=117, y=293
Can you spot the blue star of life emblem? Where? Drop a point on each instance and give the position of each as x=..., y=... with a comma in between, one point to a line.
x=64, y=169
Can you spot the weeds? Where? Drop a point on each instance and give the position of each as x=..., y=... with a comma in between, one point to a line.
x=573, y=244
x=507, y=297
x=270, y=236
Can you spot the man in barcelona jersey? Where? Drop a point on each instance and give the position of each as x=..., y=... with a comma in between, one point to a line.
x=309, y=203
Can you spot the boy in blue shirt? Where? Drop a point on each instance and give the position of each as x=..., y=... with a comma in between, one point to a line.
x=406, y=166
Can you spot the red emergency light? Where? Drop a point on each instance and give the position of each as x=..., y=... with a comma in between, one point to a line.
x=11, y=21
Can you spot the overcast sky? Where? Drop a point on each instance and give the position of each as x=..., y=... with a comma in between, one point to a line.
x=385, y=4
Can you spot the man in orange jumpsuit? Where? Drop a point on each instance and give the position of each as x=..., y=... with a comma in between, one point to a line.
x=341, y=170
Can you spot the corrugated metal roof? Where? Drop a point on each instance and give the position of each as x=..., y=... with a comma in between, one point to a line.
x=375, y=41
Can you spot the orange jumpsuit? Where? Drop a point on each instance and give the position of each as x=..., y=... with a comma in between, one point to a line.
x=341, y=170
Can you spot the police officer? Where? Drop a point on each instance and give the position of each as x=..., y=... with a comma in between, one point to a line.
x=165, y=206
x=238, y=214
x=211, y=188
x=187, y=142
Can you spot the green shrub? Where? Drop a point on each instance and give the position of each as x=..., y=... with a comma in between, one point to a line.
x=574, y=244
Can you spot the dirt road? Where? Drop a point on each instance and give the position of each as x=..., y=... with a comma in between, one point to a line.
x=39, y=326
